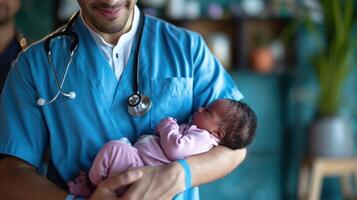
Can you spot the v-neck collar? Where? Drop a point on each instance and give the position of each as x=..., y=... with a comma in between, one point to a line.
x=92, y=62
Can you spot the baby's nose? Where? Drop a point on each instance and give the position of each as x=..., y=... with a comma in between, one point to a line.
x=200, y=109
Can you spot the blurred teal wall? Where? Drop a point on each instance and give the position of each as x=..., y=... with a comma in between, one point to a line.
x=36, y=18
x=260, y=176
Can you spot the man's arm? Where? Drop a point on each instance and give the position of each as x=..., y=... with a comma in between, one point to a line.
x=20, y=180
x=209, y=166
x=164, y=182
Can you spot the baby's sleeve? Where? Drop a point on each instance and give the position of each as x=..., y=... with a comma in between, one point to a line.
x=179, y=145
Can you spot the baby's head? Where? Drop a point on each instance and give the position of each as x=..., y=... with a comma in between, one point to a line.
x=233, y=122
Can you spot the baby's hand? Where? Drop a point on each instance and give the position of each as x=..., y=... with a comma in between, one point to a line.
x=164, y=122
x=167, y=120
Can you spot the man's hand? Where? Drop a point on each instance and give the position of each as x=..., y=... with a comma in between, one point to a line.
x=106, y=189
x=158, y=183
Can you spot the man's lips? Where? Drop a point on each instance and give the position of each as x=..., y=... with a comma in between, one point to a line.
x=109, y=13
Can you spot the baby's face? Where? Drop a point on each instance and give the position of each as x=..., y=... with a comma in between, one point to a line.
x=209, y=118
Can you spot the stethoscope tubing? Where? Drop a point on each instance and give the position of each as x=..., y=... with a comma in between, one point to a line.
x=60, y=85
x=135, y=109
x=70, y=95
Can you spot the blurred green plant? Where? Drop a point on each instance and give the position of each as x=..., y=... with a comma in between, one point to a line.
x=334, y=61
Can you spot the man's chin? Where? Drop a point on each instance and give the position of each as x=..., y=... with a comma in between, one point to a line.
x=111, y=30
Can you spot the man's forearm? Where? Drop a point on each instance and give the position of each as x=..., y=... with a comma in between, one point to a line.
x=215, y=164
x=19, y=180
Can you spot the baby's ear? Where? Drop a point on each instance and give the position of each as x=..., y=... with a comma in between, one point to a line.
x=220, y=132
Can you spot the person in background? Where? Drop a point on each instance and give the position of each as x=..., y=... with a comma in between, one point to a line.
x=11, y=40
x=224, y=122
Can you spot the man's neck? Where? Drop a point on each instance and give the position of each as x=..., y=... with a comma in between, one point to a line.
x=7, y=32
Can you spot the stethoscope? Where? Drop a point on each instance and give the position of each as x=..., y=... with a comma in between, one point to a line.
x=138, y=104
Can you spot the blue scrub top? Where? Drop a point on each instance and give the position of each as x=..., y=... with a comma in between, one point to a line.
x=177, y=71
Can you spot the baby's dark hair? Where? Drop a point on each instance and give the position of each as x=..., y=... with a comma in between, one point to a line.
x=238, y=125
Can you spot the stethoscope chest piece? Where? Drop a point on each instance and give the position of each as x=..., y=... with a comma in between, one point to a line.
x=138, y=105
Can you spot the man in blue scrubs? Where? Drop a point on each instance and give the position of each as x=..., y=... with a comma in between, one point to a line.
x=177, y=71
x=11, y=41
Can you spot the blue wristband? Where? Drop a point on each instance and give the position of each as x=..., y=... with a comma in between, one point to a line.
x=70, y=197
x=188, y=177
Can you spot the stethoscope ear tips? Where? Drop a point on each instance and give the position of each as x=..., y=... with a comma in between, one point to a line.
x=41, y=102
x=72, y=95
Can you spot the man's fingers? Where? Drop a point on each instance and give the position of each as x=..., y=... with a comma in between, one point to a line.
x=122, y=179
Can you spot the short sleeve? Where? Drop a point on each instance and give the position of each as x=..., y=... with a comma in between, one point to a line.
x=23, y=131
x=211, y=80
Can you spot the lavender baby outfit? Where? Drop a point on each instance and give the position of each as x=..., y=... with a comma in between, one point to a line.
x=173, y=142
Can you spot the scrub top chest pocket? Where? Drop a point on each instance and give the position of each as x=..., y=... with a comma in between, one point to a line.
x=172, y=97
